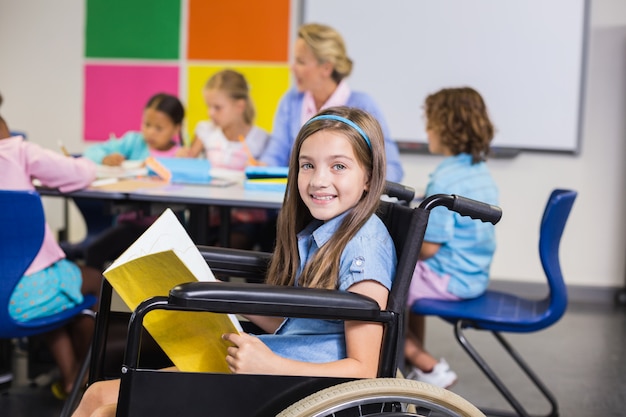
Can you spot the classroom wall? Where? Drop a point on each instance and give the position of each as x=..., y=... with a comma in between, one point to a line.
x=41, y=78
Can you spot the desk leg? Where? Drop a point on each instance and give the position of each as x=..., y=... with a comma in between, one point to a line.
x=199, y=224
x=63, y=233
x=225, y=226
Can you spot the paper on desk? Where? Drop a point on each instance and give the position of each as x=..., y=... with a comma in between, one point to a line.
x=233, y=175
x=163, y=257
x=125, y=185
x=106, y=171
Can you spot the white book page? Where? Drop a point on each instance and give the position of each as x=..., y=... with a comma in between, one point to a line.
x=166, y=233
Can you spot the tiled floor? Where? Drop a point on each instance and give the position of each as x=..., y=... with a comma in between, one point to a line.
x=582, y=359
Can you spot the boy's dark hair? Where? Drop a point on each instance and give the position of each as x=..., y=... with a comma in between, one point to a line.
x=459, y=116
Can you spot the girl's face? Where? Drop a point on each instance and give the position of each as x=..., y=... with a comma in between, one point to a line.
x=307, y=71
x=158, y=129
x=330, y=178
x=223, y=110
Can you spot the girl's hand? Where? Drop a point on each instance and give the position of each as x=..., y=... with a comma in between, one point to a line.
x=250, y=355
x=115, y=159
x=183, y=153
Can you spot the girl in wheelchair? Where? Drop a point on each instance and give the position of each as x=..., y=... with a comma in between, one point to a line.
x=328, y=236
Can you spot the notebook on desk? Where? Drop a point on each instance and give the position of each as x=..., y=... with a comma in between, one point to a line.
x=181, y=170
x=258, y=172
x=261, y=178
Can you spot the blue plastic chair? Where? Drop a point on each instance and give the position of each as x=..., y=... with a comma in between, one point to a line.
x=497, y=311
x=22, y=225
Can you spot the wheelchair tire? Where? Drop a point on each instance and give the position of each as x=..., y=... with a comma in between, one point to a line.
x=409, y=398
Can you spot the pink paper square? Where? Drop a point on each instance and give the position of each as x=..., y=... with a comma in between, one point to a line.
x=115, y=96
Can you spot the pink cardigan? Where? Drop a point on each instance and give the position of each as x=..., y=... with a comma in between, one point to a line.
x=21, y=162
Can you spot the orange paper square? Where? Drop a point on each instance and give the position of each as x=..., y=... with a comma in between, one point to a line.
x=239, y=30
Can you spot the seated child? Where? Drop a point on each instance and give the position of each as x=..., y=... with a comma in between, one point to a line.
x=62, y=283
x=328, y=237
x=457, y=251
x=231, y=141
x=160, y=136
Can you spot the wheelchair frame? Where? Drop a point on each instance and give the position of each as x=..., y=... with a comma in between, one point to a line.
x=162, y=393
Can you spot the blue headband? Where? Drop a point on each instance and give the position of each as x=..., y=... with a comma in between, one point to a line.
x=343, y=120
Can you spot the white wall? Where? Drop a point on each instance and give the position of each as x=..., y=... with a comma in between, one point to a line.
x=41, y=79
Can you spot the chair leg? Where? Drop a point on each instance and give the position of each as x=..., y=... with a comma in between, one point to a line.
x=100, y=333
x=72, y=400
x=75, y=395
x=497, y=382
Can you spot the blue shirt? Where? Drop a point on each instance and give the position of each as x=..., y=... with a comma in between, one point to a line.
x=287, y=124
x=369, y=255
x=132, y=145
x=467, y=245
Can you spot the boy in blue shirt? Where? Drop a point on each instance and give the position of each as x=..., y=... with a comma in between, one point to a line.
x=457, y=251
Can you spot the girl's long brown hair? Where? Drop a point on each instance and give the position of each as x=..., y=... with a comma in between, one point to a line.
x=322, y=270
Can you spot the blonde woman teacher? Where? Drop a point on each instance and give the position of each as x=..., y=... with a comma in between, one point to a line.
x=320, y=68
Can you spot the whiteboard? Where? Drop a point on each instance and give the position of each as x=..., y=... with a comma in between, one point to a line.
x=525, y=57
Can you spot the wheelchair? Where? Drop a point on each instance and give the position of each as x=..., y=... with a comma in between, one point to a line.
x=145, y=390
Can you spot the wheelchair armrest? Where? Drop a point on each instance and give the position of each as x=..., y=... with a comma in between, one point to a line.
x=274, y=300
x=236, y=262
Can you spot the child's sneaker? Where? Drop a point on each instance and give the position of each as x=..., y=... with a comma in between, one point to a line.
x=441, y=375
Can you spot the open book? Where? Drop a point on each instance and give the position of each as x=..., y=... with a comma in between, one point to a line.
x=163, y=257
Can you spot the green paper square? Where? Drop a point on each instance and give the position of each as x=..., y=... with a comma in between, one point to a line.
x=148, y=29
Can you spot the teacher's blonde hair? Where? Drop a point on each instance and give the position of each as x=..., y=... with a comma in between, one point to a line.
x=327, y=46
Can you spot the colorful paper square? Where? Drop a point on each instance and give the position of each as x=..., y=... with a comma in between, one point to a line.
x=239, y=30
x=115, y=96
x=148, y=29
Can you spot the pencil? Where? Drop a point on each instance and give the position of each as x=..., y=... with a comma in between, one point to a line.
x=63, y=149
x=251, y=159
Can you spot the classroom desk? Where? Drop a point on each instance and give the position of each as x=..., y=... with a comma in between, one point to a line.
x=197, y=198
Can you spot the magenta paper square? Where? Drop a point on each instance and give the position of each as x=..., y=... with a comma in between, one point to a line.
x=115, y=96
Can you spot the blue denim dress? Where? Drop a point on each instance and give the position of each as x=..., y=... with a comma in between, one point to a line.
x=370, y=255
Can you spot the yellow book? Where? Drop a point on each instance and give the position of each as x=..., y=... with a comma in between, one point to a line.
x=163, y=257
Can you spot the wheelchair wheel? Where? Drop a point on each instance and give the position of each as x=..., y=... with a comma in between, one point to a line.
x=385, y=397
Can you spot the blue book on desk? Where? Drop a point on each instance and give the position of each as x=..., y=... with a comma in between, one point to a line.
x=183, y=170
x=263, y=178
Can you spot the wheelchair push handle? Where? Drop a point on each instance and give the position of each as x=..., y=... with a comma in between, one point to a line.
x=464, y=206
x=400, y=191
